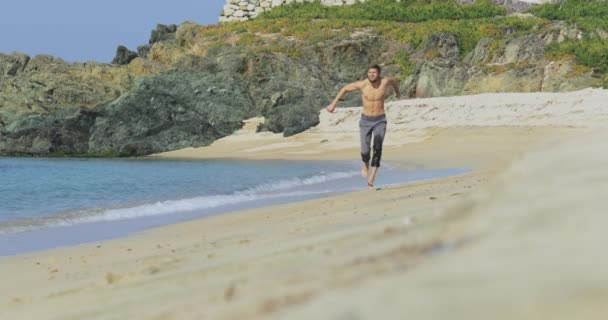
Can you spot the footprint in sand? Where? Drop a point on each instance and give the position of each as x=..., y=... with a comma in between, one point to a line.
x=229, y=293
x=112, y=278
x=160, y=263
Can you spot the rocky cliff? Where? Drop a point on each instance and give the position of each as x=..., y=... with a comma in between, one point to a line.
x=193, y=84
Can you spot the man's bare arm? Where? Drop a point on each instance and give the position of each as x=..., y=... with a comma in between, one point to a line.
x=348, y=88
x=395, y=86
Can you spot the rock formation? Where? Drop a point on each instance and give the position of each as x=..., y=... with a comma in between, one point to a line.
x=193, y=84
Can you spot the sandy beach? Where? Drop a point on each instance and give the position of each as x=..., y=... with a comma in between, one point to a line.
x=520, y=237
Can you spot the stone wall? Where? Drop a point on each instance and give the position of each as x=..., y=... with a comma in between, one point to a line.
x=242, y=10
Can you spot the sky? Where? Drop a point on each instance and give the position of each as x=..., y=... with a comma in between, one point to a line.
x=85, y=30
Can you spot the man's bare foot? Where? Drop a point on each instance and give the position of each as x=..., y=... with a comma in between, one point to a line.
x=372, y=177
x=370, y=185
x=365, y=169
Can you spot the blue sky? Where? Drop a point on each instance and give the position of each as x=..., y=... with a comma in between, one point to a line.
x=83, y=30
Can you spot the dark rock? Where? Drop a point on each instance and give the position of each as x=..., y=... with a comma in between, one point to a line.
x=481, y=52
x=143, y=50
x=526, y=48
x=442, y=45
x=440, y=72
x=171, y=111
x=46, y=63
x=290, y=93
x=12, y=64
x=437, y=78
x=232, y=63
x=63, y=132
x=514, y=65
x=44, y=84
x=191, y=63
x=294, y=118
x=124, y=56
x=162, y=32
x=525, y=78
x=557, y=77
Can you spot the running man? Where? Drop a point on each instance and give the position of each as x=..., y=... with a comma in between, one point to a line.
x=373, y=119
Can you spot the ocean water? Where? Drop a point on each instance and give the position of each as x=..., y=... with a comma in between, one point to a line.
x=51, y=202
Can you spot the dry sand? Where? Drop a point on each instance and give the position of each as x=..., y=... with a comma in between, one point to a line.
x=519, y=237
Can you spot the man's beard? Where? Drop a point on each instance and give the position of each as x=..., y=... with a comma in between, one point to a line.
x=372, y=81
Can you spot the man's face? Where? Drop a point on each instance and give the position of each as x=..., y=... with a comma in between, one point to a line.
x=372, y=74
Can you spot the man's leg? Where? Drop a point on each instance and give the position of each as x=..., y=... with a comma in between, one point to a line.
x=379, y=131
x=365, y=133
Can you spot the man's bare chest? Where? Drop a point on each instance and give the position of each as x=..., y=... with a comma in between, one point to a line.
x=371, y=93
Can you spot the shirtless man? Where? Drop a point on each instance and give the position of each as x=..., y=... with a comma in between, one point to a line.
x=373, y=119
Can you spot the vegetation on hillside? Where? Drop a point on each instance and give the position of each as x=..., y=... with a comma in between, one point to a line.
x=410, y=22
x=591, y=17
x=388, y=10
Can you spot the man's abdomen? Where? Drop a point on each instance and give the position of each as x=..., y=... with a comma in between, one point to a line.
x=371, y=109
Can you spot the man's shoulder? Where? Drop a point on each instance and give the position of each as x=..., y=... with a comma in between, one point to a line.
x=359, y=84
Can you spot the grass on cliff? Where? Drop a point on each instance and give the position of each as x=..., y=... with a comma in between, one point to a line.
x=576, y=11
x=408, y=21
x=468, y=31
x=591, y=17
x=388, y=10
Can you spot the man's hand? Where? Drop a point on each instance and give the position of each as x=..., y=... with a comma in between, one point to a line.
x=395, y=85
x=348, y=88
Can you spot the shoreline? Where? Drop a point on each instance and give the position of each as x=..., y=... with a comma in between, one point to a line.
x=239, y=237
x=52, y=235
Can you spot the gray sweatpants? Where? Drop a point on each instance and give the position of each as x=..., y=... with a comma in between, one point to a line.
x=375, y=125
